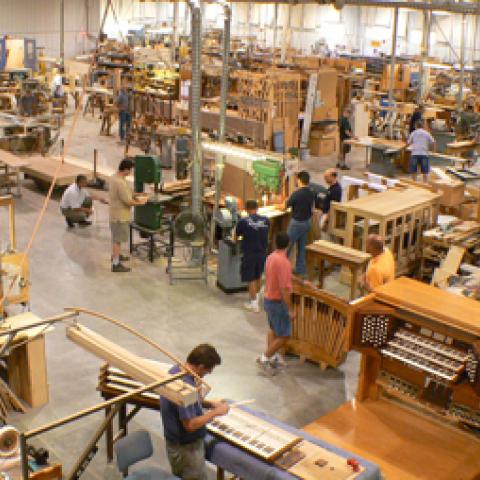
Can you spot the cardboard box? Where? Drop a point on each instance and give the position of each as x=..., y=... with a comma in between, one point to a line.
x=468, y=211
x=327, y=88
x=453, y=193
x=320, y=147
x=325, y=113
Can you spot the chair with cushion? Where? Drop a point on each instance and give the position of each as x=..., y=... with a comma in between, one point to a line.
x=133, y=448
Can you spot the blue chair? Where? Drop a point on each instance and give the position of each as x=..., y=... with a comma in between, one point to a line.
x=133, y=448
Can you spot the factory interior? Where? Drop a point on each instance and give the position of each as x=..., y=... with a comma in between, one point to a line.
x=263, y=220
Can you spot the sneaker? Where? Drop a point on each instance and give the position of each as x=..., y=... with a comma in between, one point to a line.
x=251, y=307
x=265, y=367
x=70, y=224
x=278, y=361
x=120, y=268
x=84, y=223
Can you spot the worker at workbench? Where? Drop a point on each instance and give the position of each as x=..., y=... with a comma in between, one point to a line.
x=301, y=202
x=253, y=232
x=346, y=133
x=420, y=142
x=277, y=304
x=381, y=268
x=122, y=199
x=77, y=202
x=124, y=112
x=416, y=116
x=334, y=194
x=185, y=427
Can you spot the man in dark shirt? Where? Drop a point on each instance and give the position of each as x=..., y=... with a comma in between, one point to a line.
x=334, y=194
x=416, y=116
x=253, y=232
x=301, y=202
x=124, y=113
x=184, y=427
x=345, y=132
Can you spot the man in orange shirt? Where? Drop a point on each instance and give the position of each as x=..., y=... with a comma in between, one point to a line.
x=277, y=303
x=381, y=268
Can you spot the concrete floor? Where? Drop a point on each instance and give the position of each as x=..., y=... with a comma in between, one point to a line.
x=72, y=268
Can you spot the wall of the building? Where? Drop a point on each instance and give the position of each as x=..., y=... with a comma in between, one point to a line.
x=40, y=19
x=356, y=28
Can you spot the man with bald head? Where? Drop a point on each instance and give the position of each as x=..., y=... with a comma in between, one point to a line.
x=381, y=268
x=334, y=194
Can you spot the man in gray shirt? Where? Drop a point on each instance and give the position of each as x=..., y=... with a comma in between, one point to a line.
x=124, y=113
x=420, y=141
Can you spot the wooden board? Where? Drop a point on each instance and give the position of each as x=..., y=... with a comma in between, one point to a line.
x=138, y=368
x=256, y=436
x=391, y=202
x=12, y=160
x=322, y=464
x=335, y=250
x=43, y=169
x=406, y=445
x=453, y=310
x=27, y=372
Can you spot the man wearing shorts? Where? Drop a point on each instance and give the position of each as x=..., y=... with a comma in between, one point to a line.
x=122, y=199
x=253, y=232
x=420, y=141
x=278, y=304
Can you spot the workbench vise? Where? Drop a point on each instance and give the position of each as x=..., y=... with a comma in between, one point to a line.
x=148, y=170
x=267, y=175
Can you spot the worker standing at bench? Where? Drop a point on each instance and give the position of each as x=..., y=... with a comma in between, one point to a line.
x=301, y=202
x=77, y=203
x=185, y=427
x=381, y=268
x=122, y=199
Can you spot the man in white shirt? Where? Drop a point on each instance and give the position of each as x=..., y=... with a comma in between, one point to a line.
x=76, y=203
x=420, y=141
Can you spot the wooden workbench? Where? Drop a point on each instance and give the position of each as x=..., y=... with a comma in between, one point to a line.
x=393, y=146
x=42, y=170
x=461, y=147
x=322, y=250
x=13, y=165
x=405, y=444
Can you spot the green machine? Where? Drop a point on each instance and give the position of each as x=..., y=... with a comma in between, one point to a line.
x=148, y=170
x=267, y=175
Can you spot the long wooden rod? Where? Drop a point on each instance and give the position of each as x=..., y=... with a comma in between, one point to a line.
x=96, y=408
x=146, y=339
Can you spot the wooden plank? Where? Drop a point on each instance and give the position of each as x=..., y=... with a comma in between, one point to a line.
x=337, y=251
x=138, y=368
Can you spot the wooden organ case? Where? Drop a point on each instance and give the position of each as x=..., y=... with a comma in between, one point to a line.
x=421, y=348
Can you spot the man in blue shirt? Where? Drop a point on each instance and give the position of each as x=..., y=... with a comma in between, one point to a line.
x=253, y=232
x=185, y=427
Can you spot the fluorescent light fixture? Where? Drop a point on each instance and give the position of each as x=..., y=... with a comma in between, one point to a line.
x=231, y=150
x=438, y=66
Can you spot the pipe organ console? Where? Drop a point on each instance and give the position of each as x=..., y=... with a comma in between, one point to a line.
x=421, y=348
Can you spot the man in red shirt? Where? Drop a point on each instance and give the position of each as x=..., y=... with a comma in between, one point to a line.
x=277, y=303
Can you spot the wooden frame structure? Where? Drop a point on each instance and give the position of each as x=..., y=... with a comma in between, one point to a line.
x=399, y=215
x=321, y=327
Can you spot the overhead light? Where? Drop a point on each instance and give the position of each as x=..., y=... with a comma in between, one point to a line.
x=441, y=13
x=438, y=66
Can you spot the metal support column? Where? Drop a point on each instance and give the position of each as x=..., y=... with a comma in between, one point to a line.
x=393, y=59
x=62, y=33
x=275, y=25
x=427, y=24
x=220, y=159
x=462, y=64
x=287, y=34
x=175, y=44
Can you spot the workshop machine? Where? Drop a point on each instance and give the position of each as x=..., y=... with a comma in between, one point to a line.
x=229, y=251
x=267, y=175
x=148, y=170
